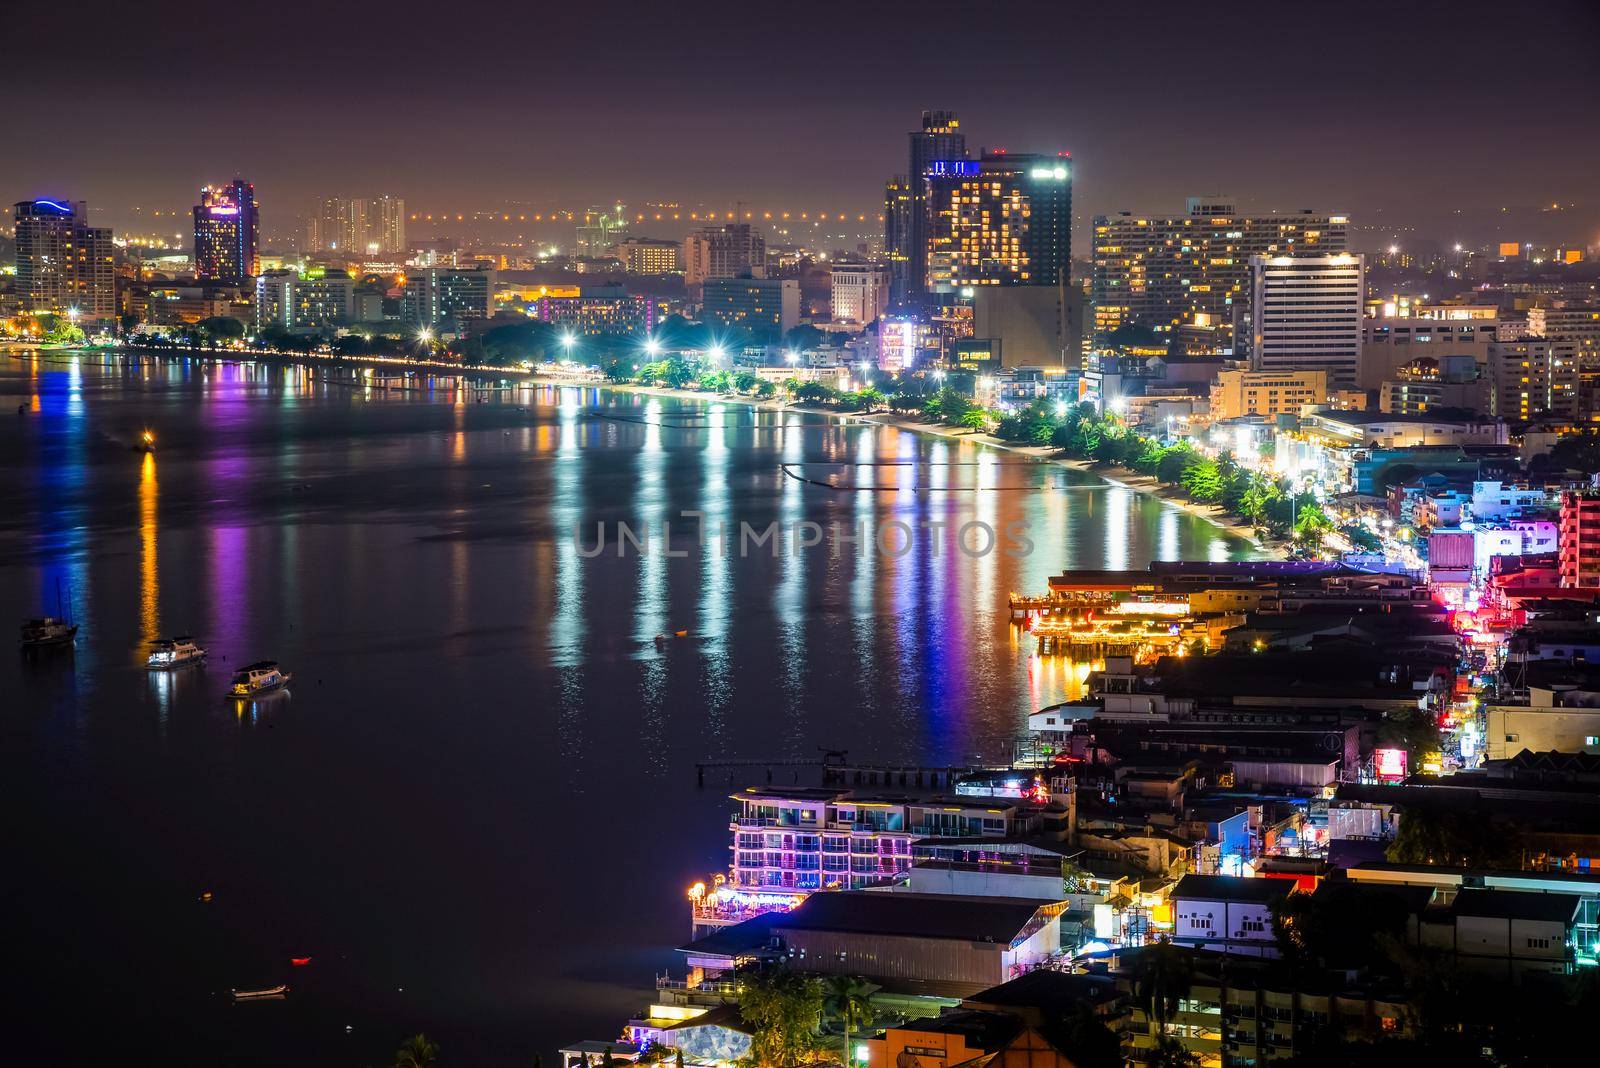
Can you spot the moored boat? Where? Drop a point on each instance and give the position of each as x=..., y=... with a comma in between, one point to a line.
x=265, y=993
x=257, y=679
x=48, y=630
x=175, y=652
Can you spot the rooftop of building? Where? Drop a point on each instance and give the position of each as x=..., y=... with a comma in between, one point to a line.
x=1231, y=888
x=1514, y=905
x=956, y=917
x=1046, y=990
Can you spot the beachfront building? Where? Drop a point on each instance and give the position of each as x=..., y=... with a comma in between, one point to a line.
x=818, y=838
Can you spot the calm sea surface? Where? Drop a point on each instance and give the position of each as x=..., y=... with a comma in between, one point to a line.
x=476, y=808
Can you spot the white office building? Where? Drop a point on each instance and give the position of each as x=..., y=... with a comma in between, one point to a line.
x=860, y=292
x=1305, y=315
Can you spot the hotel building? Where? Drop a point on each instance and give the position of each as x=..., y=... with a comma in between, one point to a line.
x=813, y=839
x=641, y=255
x=1305, y=314
x=63, y=263
x=1002, y=220
x=1192, y=270
x=1237, y=393
x=766, y=307
x=860, y=292
x=227, y=234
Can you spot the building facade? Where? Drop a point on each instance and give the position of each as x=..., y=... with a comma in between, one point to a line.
x=1579, y=539
x=63, y=265
x=1192, y=269
x=286, y=300
x=906, y=217
x=1535, y=378
x=860, y=291
x=729, y=251
x=813, y=839
x=1002, y=220
x=766, y=307
x=435, y=294
x=641, y=255
x=227, y=234
x=1239, y=392
x=1305, y=314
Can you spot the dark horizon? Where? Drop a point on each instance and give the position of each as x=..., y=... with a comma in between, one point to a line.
x=1408, y=115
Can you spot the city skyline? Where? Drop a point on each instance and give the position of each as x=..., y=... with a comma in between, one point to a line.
x=1321, y=125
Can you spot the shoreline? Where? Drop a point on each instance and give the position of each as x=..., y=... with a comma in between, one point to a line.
x=1040, y=453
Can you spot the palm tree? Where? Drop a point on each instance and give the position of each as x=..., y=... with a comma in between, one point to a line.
x=416, y=1052
x=848, y=999
x=1163, y=979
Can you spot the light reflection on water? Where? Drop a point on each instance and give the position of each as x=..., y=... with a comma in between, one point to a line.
x=485, y=747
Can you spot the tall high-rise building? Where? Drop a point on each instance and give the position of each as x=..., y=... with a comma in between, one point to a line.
x=227, y=233
x=63, y=264
x=730, y=251
x=898, y=202
x=939, y=138
x=1002, y=220
x=1305, y=315
x=860, y=291
x=600, y=229
x=387, y=226
x=1534, y=378
x=1192, y=270
x=356, y=226
x=337, y=225
x=1578, y=542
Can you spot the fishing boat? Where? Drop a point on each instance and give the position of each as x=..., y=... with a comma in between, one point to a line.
x=175, y=652
x=257, y=679
x=47, y=631
x=265, y=993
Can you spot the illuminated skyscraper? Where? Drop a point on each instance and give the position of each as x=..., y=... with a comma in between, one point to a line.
x=906, y=235
x=1193, y=270
x=730, y=251
x=897, y=205
x=227, y=234
x=1003, y=220
x=387, y=226
x=1305, y=315
x=63, y=265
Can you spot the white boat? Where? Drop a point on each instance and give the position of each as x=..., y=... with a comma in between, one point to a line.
x=266, y=993
x=37, y=633
x=176, y=652
x=257, y=679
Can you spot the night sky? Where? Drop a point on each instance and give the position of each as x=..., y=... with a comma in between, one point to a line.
x=1418, y=109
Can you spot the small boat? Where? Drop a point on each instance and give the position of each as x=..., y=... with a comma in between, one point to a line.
x=265, y=993
x=47, y=631
x=175, y=652
x=257, y=679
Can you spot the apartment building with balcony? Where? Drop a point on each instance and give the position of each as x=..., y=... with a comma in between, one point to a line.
x=820, y=838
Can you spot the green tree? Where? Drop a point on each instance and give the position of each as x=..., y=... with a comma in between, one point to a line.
x=784, y=1010
x=848, y=1000
x=1577, y=452
x=1311, y=524
x=974, y=418
x=417, y=1052
x=1416, y=730
x=1202, y=481
x=1458, y=839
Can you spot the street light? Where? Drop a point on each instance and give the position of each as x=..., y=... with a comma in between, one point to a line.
x=425, y=335
x=716, y=352
x=791, y=356
x=652, y=347
x=567, y=340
